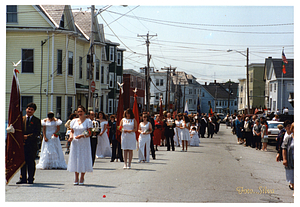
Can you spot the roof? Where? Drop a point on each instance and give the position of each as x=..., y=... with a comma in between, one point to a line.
x=83, y=21
x=54, y=12
x=277, y=65
x=218, y=90
x=289, y=67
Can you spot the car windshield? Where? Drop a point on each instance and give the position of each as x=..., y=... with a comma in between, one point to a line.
x=273, y=125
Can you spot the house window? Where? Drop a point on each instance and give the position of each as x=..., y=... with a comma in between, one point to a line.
x=139, y=83
x=58, y=106
x=97, y=69
x=107, y=76
x=12, y=14
x=190, y=101
x=102, y=74
x=69, y=105
x=88, y=73
x=274, y=106
x=203, y=94
x=110, y=106
x=190, y=91
x=111, y=80
x=70, y=63
x=24, y=101
x=59, y=61
x=161, y=82
x=157, y=82
x=27, y=60
x=241, y=88
x=274, y=87
x=111, y=53
x=80, y=67
x=270, y=87
x=119, y=58
x=119, y=79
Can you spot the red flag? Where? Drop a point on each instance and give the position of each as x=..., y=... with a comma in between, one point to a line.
x=284, y=61
x=120, y=112
x=135, y=111
x=14, y=153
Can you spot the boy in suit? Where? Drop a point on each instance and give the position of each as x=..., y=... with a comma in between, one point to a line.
x=31, y=130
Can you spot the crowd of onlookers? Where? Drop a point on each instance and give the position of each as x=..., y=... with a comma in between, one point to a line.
x=252, y=131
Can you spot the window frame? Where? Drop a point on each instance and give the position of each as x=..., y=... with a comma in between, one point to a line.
x=59, y=63
x=25, y=61
x=70, y=63
x=14, y=13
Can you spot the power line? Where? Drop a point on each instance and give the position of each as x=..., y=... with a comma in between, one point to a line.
x=182, y=25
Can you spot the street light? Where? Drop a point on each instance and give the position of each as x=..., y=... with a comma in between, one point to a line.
x=247, y=75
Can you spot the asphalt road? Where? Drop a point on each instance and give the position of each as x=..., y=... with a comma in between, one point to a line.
x=218, y=171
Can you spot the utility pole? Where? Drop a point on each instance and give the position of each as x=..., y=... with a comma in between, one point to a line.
x=229, y=93
x=147, y=70
x=248, y=104
x=91, y=61
x=167, y=106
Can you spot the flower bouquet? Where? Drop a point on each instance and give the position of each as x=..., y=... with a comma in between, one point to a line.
x=55, y=135
x=87, y=133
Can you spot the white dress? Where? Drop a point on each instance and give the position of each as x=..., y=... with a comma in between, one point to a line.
x=144, y=141
x=185, y=133
x=103, y=146
x=177, y=133
x=51, y=151
x=80, y=158
x=195, y=139
x=128, y=140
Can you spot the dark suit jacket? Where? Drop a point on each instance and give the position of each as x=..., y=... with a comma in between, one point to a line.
x=32, y=131
x=169, y=130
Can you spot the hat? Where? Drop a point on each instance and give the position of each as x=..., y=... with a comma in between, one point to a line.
x=50, y=112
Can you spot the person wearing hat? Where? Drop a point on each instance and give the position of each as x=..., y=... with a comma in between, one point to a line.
x=51, y=156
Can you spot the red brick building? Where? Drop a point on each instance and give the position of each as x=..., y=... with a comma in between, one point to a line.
x=133, y=79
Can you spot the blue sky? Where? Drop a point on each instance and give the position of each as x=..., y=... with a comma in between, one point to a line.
x=195, y=39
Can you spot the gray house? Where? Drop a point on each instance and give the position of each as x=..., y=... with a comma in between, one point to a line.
x=278, y=86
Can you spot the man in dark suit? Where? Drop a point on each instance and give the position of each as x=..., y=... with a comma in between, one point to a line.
x=151, y=120
x=169, y=125
x=203, y=125
x=31, y=131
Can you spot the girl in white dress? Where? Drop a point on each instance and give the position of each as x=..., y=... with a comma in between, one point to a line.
x=185, y=134
x=177, y=130
x=80, y=158
x=145, y=129
x=103, y=146
x=194, y=137
x=128, y=126
x=51, y=151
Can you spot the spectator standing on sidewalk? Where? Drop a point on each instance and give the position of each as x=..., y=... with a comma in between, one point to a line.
x=256, y=134
x=288, y=155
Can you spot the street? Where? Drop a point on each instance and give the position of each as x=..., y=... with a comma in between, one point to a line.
x=218, y=171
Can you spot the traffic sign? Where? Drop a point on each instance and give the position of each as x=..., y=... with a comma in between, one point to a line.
x=93, y=86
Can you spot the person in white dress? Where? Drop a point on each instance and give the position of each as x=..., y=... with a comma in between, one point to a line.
x=80, y=158
x=103, y=146
x=51, y=156
x=194, y=137
x=145, y=129
x=177, y=130
x=128, y=126
x=185, y=134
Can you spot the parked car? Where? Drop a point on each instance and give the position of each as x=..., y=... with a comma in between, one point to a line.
x=272, y=129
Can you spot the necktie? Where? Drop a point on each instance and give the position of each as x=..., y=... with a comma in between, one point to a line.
x=27, y=122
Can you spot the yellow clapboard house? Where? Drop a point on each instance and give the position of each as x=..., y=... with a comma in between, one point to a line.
x=53, y=43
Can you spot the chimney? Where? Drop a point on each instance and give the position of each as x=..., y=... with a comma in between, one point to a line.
x=205, y=83
x=215, y=81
